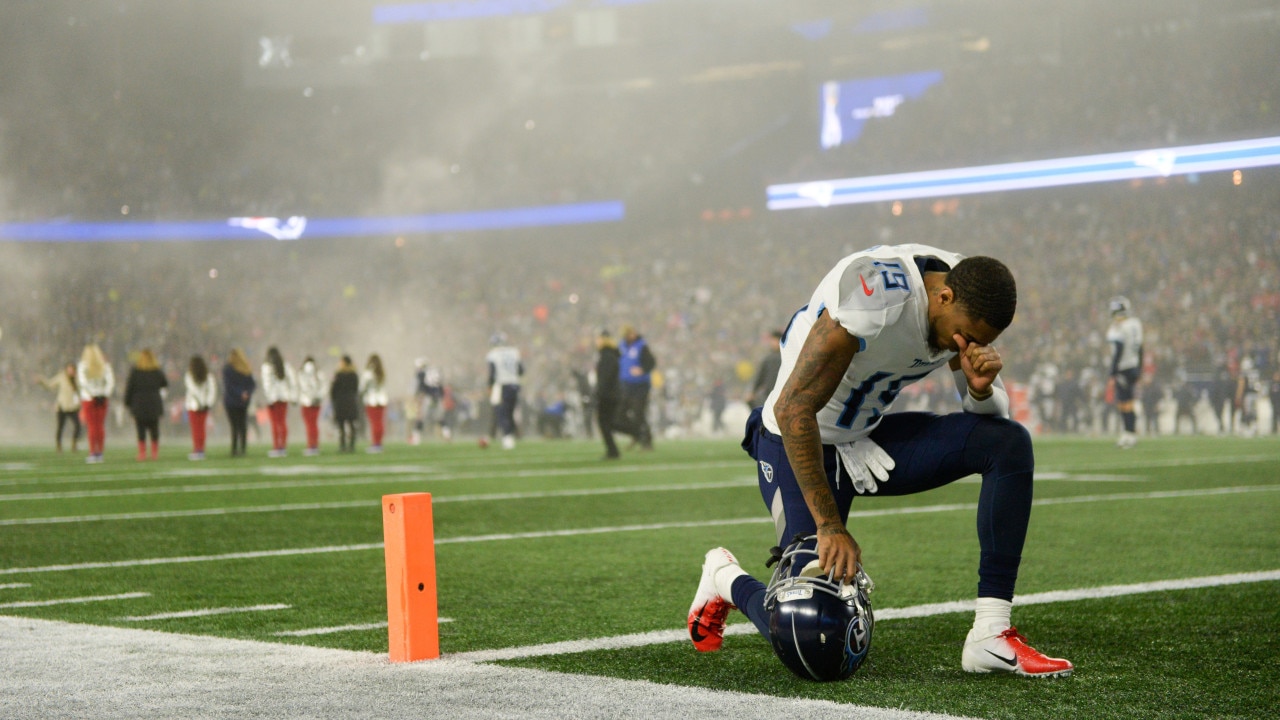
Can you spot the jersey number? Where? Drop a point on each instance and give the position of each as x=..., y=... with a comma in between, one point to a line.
x=896, y=280
x=858, y=395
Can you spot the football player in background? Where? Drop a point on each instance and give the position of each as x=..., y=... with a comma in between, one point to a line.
x=1125, y=336
x=880, y=320
x=505, y=371
x=1248, y=388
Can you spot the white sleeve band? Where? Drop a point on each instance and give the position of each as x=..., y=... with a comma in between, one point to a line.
x=996, y=404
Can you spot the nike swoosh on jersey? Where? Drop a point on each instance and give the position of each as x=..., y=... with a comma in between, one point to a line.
x=865, y=289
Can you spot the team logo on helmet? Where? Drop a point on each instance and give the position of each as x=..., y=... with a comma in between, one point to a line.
x=819, y=628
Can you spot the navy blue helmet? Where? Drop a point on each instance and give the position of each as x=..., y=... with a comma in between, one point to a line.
x=821, y=629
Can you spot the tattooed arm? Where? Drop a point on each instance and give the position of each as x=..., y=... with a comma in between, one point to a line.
x=822, y=362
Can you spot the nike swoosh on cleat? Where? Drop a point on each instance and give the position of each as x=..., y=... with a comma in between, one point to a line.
x=865, y=289
x=1011, y=662
x=693, y=630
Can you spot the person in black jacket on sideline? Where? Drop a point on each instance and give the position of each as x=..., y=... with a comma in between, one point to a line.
x=608, y=392
x=144, y=396
x=344, y=393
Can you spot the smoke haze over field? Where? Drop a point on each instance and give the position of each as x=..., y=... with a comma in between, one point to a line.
x=150, y=111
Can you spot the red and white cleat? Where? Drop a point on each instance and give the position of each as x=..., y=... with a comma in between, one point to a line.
x=709, y=608
x=1009, y=652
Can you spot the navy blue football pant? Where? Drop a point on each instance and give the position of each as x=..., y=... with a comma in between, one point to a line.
x=929, y=451
x=506, y=410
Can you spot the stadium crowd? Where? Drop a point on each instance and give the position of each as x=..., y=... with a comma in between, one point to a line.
x=1200, y=264
x=705, y=274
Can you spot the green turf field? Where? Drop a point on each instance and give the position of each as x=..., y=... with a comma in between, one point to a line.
x=548, y=544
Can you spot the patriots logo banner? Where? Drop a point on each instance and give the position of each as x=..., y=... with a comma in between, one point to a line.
x=847, y=105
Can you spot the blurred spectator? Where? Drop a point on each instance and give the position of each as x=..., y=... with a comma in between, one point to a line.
x=716, y=403
x=202, y=393
x=311, y=388
x=144, y=396
x=344, y=393
x=96, y=382
x=279, y=389
x=767, y=372
x=636, y=365
x=66, y=404
x=373, y=393
x=238, y=387
x=608, y=392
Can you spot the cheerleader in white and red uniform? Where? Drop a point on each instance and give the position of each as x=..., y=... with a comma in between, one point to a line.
x=96, y=382
x=373, y=391
x=202, y=393
x=311, y=389
x=279, y=388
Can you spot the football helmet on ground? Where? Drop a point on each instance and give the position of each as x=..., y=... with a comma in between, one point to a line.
x=819, y=628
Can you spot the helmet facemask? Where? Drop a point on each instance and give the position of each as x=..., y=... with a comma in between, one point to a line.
x=820, y=627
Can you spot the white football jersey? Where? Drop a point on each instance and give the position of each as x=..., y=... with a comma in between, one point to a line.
x=506, y=365
x=878, y=295
x=1127, y=332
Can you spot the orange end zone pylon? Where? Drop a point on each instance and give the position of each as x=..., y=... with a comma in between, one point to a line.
x=413, y=627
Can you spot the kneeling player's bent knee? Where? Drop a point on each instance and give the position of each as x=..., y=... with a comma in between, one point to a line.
x=1001, y=442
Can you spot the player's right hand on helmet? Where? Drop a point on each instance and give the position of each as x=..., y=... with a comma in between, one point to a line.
x=839, y=555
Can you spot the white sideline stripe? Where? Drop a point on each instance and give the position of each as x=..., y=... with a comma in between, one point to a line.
x=57, y=669
x=657, y=637
x=341, y=482
x=619, y=528
x=10, y=586
x=203, y=612
x=341, y=628
x=288, y=507
x=74, y=600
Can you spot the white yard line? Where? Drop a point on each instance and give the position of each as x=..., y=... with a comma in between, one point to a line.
x=11, y=586
x=1156, y=495
x=1117, y=463
x=193, y=558
x=436, y=499
x=916, y=611
x=446, y=472
x=343, y=482
x=307, y=632
x=330, y=630
x=203, y=612
x=73, y=600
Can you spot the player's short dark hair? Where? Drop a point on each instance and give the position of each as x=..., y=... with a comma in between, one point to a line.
x=985, y=288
